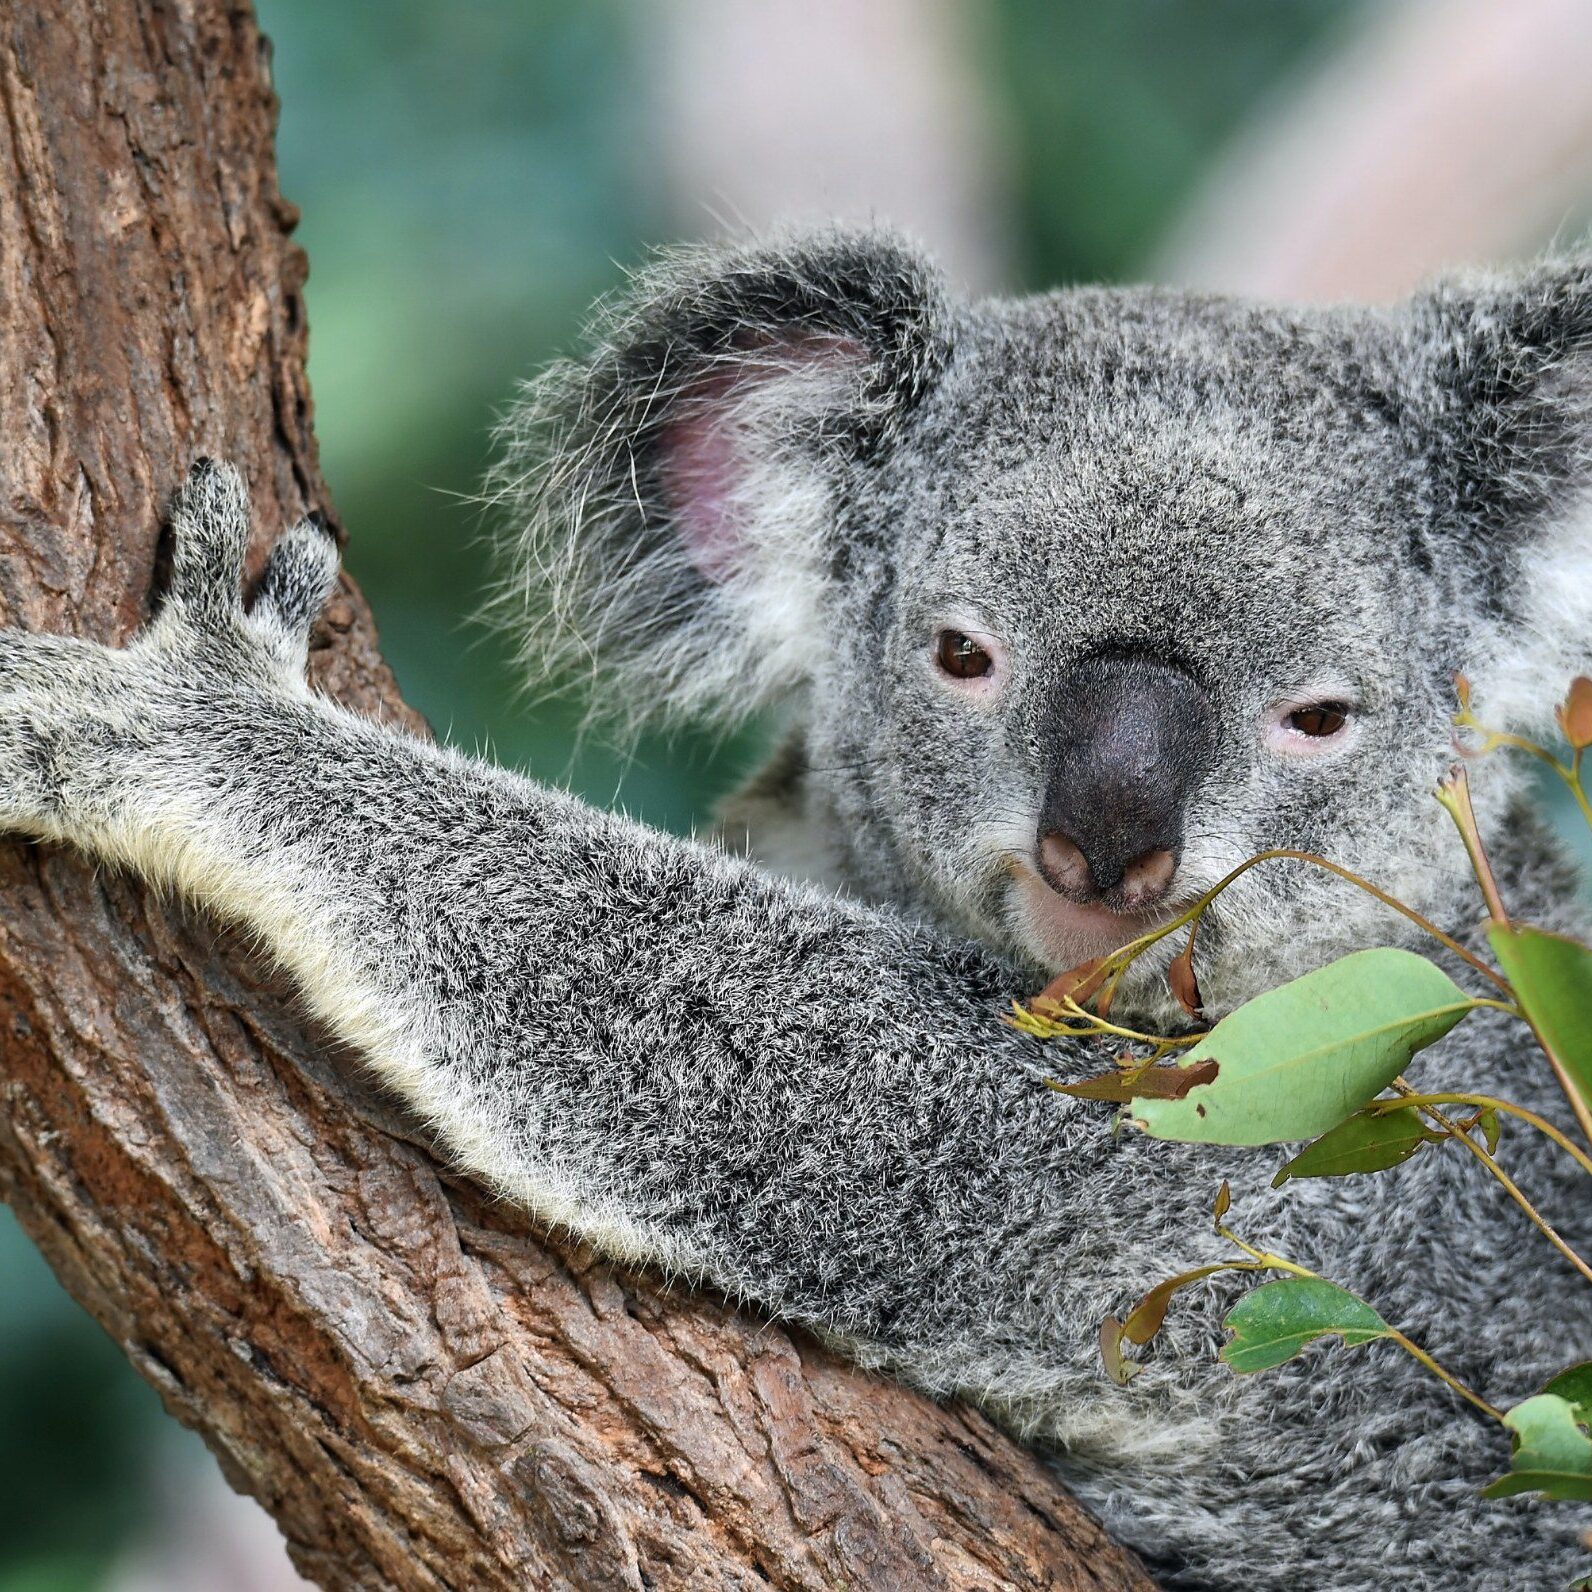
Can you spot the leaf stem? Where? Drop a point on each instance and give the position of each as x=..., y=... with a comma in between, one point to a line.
x=1410, y=1347
x=1488, y=1103
x=1509, y=1008
x=1099, y=1025
x=1134, y=948
x=1265, y=1256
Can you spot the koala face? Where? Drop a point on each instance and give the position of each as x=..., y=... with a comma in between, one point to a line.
x=1082, y=600
x=1148, y=604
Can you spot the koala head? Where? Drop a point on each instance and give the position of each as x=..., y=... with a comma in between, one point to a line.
x=1078, y=600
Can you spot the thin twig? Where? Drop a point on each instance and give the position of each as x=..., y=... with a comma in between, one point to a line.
x=1412, y=1348
x=1454, y=795
x=1134, y=948
x=1512, y=1188
x=1570, y=773
x=1572, y=1092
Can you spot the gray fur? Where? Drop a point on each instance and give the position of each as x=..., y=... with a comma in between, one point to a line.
x=807, y=1099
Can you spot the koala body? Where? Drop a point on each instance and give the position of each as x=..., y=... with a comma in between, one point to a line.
x=1072, y=603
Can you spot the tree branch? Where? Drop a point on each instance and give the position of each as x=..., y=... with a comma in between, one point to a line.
x=422, y=1390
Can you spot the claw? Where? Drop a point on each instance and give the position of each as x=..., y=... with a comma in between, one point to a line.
x=210, y=518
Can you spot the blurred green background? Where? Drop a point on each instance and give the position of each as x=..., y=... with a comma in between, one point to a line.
x=471, y=176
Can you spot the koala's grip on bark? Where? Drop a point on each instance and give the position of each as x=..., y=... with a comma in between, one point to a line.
x=806, y=1102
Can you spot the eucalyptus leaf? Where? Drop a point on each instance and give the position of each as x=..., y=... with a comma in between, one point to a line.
x=1552, y=978
x=1491, y=1130
x=1553, y=1453
x=1295, y=1062
x=1574, y=1386
x=1277, y=1320
x=1370, y=1141
x=1120, y=1369
x=1146, y=1317
x=1143, y=1083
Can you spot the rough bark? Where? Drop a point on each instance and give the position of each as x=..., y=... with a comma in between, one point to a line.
x=419, y=1387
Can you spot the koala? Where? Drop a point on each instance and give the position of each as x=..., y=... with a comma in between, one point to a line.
x=1069, y=604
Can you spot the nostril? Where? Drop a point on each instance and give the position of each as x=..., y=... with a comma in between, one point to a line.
x=1065, y=868
x=1147, y=878
x=1128, y=886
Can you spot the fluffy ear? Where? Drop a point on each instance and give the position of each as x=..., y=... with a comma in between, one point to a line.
x=671, y=500
x=1503, y=400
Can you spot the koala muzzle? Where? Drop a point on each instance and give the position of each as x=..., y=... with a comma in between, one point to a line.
x=1130, y=739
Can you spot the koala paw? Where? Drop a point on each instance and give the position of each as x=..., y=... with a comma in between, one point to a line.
x=210, y=521
x=82, y=725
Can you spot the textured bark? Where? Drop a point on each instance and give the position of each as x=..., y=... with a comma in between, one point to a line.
x=419, y=1387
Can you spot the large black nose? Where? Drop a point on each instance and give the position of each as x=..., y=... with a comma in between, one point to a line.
x=1130, y=738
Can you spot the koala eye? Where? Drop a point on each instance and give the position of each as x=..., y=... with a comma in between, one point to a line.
x=961, y=657
x=1319, y=720
x=1309, y=727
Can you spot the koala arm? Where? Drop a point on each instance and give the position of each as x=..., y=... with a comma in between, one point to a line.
x=804, y=1102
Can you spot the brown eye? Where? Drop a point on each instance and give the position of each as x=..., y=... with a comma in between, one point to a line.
x=961, y=657
x=1325, y=718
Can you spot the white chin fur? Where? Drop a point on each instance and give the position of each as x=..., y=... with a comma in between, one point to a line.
x=1059, y=933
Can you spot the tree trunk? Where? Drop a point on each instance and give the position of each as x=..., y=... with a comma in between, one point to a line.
x=423, y=1390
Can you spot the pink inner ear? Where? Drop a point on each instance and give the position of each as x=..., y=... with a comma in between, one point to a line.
x=698, y=460
x=700, y=471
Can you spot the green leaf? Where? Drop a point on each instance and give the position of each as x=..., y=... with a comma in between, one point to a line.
x=1370, y=1141
x=1552, y=979
x=1574, y=1386
x=1294, y=1062
x=1490, y=1129
x=1274, y=1322
x=1553, y=1454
